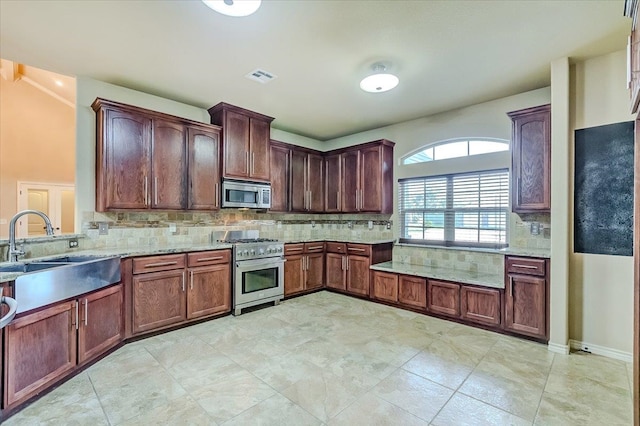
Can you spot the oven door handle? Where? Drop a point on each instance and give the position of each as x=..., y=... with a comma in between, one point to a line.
x=272, y=262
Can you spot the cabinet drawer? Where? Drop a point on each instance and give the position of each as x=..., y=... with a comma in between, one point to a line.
x=203, y=258
x=317, y=247
x=167, y=262
x=526, y=266
x=359, y=249
x=481, y=305
x=290, y=249
x=385, y=286
x=412, y=291
x=443, y=298
x=336, y=248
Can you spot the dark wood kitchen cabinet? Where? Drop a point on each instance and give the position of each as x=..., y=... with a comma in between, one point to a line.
x=385, y=286
x=412, y=291
x=203, y=168
x=168, y=290
x=480, y=304
x=297, y=182
x=149, y=160
x=531, y=160
x=51, y=331
x=158, y=292
x=43, y=347
x=333, y=183
x=209, y=290
x=100, y=325
x=304, y=267
x=280, y=170
x=443, y=298
x=362, y=181
x=307, y=192
x=526, y=309
x=168, y=166
x=123, y=157
x=347, y=265
x=245, y=141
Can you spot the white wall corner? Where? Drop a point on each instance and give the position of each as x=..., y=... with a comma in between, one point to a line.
x=601, y=350
x=558, y=348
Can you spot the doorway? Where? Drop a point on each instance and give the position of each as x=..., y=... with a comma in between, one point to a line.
x=56, y=200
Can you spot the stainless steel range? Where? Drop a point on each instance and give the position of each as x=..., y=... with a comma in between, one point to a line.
x=258, y=269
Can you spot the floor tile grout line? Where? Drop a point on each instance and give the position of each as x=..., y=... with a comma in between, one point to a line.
x=104, y=411
x=544, y=389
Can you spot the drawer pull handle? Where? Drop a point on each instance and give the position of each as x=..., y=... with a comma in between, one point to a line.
x=315, y=248
x=207, y=259
x=356, y=249
x=153, y=265
x=294, y=249
x=517, y=265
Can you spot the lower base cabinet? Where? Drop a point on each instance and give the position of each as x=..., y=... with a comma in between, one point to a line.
x=481, y=305
x=304, y=267
x=385, y=286
x=412, y=291
x=45, y=346
x=209, y=291
x=443, y=298
x=158, y=300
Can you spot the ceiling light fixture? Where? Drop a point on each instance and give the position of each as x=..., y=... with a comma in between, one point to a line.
x=379, y=81
x=233, y=7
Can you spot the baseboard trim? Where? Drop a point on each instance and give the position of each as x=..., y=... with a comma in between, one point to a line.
x=558, y=348
x=601, y=350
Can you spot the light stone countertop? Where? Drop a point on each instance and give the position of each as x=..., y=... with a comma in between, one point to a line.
x=531, y=252
x=340, y=240
x=509, y=251
x=121, y=252
x=465, y=277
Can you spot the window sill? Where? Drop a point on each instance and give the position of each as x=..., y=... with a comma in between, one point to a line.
x=454, y=248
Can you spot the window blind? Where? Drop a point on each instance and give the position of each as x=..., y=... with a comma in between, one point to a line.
x=465, y=209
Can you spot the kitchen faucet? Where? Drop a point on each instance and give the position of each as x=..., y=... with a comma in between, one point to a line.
x=13, y=251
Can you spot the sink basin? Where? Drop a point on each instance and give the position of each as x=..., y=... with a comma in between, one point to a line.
x=31, y=267
x=53, y=280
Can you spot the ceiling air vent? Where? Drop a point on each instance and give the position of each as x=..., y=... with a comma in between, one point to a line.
x=261, y=76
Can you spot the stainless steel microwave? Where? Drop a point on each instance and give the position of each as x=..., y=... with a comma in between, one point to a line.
x=241, y=194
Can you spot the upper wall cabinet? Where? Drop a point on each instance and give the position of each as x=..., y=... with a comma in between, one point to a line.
x=349, y=180
x=362, y=179
x=245, y=142
x=531, y=160
x=149, y=160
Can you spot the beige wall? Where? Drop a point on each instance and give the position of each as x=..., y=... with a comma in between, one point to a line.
x=37, y=142
x=600, y=287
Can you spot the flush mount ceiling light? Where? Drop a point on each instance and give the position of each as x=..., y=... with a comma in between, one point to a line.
x=379, y=81
x=233, y=7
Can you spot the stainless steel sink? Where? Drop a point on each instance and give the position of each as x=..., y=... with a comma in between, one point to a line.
x=53, y=280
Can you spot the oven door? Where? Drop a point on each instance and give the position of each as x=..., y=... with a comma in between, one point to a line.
x=258, y=279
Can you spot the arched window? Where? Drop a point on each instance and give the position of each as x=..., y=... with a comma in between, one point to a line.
x=454, y=148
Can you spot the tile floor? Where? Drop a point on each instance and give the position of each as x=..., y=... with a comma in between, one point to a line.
x=335, y=360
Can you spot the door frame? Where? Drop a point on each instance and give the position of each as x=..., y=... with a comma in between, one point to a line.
x=54, y=189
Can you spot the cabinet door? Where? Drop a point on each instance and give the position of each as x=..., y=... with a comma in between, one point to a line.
x=525, y=306
x=125, y=170
x=315, y=179
x=385, y=286
x=158, y=300
x=169, y=166
x=481, y=305
x=350, y=181
x=236, y=145
x=279, y=170
x=336, y=271
x=314, y=273
x=293, y=274
x=204, y=169
x=370, y=179
x=100, y=324
x=443, y=298
x=358, y=275
x=259, y=148
x=40, y=349
x=298, y=181
x=531, y=157
x=333, y=175
x=209, y=291
x=412, y=291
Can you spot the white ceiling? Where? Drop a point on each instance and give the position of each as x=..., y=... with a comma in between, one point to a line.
x=447, y=54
